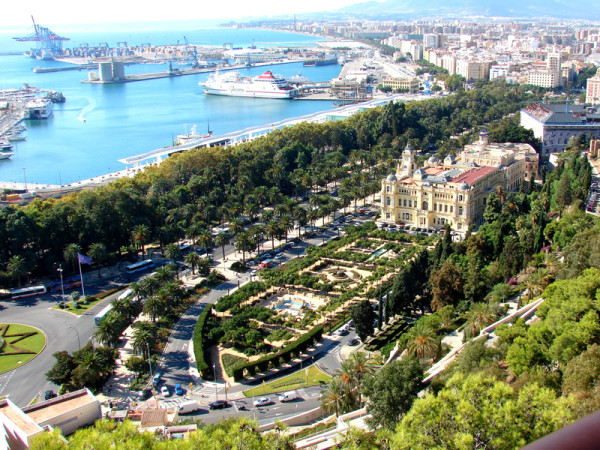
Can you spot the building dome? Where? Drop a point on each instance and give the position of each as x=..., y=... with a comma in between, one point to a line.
x=464, y=186
x=391, y=177
x=449, y=159
x=408, y=149
x=432, y=160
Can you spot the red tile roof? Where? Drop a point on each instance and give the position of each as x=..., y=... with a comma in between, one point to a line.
x=474, y=175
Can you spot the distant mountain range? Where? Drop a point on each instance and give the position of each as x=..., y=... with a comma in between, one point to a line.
x=530, y=9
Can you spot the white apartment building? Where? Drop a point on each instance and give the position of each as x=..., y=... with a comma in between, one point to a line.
x=592, y=94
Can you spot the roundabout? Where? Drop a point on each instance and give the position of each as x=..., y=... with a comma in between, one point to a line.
x=19, y=344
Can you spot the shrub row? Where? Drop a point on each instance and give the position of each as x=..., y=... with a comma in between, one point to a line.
x=284, y=355
x=240, y=295
x=201, y=363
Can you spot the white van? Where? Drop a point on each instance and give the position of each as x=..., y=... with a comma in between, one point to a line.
x=186, y=407
x=288, y=396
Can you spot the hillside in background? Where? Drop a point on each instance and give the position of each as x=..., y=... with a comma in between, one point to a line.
x=531, y=9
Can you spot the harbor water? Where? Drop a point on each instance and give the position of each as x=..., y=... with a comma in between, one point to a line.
x=99, y=124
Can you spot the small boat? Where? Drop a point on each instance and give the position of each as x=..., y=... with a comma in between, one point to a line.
x=16, y=136
x=5, y=150
x=192, y=136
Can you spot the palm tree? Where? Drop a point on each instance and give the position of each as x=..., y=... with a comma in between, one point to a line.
x=424, y=343
x=271, y=230
x=221, y=240
x=107, y=333
x=141, y=234
x=164, y=274
x=143, y=336
x=236, y=226
x=71, y=253
x=154, y=307
x=206, y=241
x=479, y=316
x=192, y=259
x=173, y=253
x=335, y=398
x=258, y=233
x=353, y=372
x=243, y=244
x=287, y=224
x=17, y=267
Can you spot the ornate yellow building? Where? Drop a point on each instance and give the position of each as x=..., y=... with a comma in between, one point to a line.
x=453, y=191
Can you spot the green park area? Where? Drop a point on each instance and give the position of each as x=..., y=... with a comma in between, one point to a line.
x=80, y=306
x=311, y=376
x=19, y=344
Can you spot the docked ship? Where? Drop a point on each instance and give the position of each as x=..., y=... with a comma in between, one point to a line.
x=39, y=108
x=192, y=136
x=322, y=61
x=234, y=84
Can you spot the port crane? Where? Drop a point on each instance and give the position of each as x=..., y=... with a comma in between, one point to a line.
x=194, y=52
x=49, y=44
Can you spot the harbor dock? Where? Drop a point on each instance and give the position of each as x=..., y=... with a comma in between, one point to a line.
x=176, y=72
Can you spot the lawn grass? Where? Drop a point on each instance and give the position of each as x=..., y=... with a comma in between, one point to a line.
x=316, y=377
x=34, y=343
x=95, y=300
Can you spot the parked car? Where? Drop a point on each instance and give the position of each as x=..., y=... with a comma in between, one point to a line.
x=49, y=394
x=145, y=394
x=353, y=342
x=218, y=404
x=263, y=401
x=178, y=389
x=164, y=390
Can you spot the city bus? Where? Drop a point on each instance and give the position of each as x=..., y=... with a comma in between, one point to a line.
x=126, y=293
x=102, y=314
x=29, y=291
x=68, y=283
x=139, y=266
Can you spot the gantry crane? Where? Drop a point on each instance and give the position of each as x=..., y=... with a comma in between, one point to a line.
x=49, y=44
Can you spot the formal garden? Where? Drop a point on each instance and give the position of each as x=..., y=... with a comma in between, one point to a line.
x=269, y=322
x=19, y=344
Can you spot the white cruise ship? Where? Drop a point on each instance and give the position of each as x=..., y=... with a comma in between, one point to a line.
x=234, y=84
x=39, y=108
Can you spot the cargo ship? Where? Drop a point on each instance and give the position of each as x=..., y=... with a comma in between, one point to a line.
x=323, y=61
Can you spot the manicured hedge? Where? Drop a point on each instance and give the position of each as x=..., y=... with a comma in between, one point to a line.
x=240, y=295
x=203, y=366
x=285, y=354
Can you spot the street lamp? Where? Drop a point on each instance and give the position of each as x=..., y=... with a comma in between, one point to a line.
x=215, y=375
x=78, y=341
x=25, y=176
x=62, y=288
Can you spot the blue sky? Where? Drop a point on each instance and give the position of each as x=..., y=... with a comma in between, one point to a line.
x=16, y=13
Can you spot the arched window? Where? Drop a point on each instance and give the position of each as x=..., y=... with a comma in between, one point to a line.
x=425, y=206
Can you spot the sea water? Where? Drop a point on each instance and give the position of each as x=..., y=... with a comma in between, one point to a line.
x=99, y=124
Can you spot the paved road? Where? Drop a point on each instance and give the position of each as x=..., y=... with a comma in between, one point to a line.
x=64, y=331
